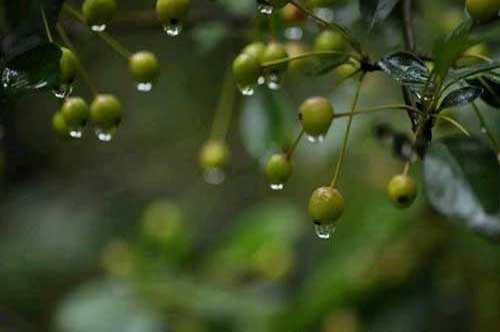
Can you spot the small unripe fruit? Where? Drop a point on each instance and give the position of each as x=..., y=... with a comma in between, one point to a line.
x=402, y=190
x=329, y=40
x=99, y=12
x=275, y=52
x=172, y=12
x=246, y=70
x=106, y=112
x=291, y=14
x=316, y=115
x=483, y=11
x=59, y=125
x=295, y=49
x=144, y=67
x=326, y=205
x=75, y=112
x=255, y=49
x=345, y=70
x=214, y=155
x=278, y=169
x=68, y=65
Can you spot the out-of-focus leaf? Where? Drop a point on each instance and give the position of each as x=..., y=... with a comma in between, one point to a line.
x=491, y=89
x=376, y=11
x=323, y=64
x=107, y=306
x=461, y=97
x=405, y=68
x=462, y=177
x=266, y=122
x=208, y=36
x=240, y=7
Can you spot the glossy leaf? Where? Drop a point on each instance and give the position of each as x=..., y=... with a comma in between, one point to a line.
x=461, y=97
x=405, y=68
x=462, y=177
x=376, y=11
x=491, y=89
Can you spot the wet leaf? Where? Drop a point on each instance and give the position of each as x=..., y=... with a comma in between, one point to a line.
x=405, y=68
x=461, y=97
x=491, y=89
x=462, y=177
x=376, y=11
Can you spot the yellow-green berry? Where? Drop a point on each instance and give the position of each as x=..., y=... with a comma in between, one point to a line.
x=326, y=205
x=246, y=72
x=329, y=40
x=255, y=49
x=275, y=52
x=105, y=112
x=172, y=12
x=144, y=67
x=98, y=13
x=402, y=191
x=214, y=155
x=483, y=11
x=278, y=170
x=59, y=126
x=316, y=116
x=75, y=112
x=68, y=65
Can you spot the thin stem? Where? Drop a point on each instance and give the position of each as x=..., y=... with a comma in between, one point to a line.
x=225, y=107
x=453, y=122
x=81, y=69
x=409, y=29
x=346, y=135
x=307, y=55
x=406, y=169
x=485, y=128
x=107, y=38
x=378, y=109
x=477, y=57
x=45, y=23
x=293, y=147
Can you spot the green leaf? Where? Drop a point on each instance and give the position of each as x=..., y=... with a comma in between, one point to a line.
x=461, y=97
x=376, y=11
x=405, y=68
x=491, y=89
x=462, y=178
x=323, y=64
x=208, y=36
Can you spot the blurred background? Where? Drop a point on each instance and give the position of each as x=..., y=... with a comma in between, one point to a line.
x=126, y=236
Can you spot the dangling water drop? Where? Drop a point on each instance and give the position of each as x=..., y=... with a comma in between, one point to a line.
x=316, y=139
x=273, y=81
x=265, y=8
x=98, y=28
x=214, y=176
x=63, y=91
x=144, y=87
x=277, y=186
x=76, y=132
x=294, y=33
x=261, y=80
x=247, y=90
x=174, y=28
x=324, y=232
x=104, y=135
x=484, y=130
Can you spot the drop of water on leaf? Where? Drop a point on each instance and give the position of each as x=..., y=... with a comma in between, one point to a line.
x=145, y=87
x=316, y=139
x=98, y=28
x=76, y=132
x=247, y=90
x=273, y=81
x=265, y=8
x=277, y=186
x=214, y=176
x=173, y=29
x=294, y=33
x=63, y=91
x=104, y=135
x=324, y=232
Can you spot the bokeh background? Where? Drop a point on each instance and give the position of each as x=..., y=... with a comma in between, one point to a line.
x=126, y=236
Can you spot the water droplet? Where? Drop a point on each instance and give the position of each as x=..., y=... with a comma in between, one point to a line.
x=63, y=91
x=261, y=80
x=324, y=232
x=105, y=135
x=98, y=28
x=265, y=8
x=76, y=132
x=484, y=130
x=273, y=81
x=173, y=29
x=294, y=33
x=214, y=176
x=498, y=157
x=247, y=90
x=316, y=139
x=144, y=87
x=277, y=186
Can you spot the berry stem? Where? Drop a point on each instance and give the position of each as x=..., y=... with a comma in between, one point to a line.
x=406, y=168
x=107, y=38
x=369, y=110
x=225, y=107
x=307, y=55
x=346, y=135
x=293, y=147
x=81, y=69
x=453, y=122
x=485, y=128
x=45, y=23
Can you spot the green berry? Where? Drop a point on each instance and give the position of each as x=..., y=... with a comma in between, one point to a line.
x=345, y=70
x=316, y=115
x=255, y=49
x=329, y=40
x=278, y=169
x=144, y=67
x=172, y=12
x=246, y=70
x=326, y=205
x=59, y=125
x=75, y=112
x=295, y=49
x=68, y=65
x=214, y=155
x=105, y=112
x=99, y=12
x=483, y=11
x=275, y=52
x=402, y=190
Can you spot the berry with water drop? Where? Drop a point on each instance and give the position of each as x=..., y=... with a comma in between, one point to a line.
x=278, y=169
x=106, y=112
x=75, y=112
x=246, y=70
x=99, y=12
x=326, y=205
x=316, y=116
x=144, y=67
x=214, y=155
x=328, y=41
x=402, y=190
x=172, y=12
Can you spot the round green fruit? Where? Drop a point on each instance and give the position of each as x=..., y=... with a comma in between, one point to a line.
x=316, y=116
x=402, y=191
x=328, y=41
x=75, y=112
x=144, y=67
x=99, y=12
x=68, y=65
x=255, y=49
x=345, y=71
x=274, y=52
x=214, y=155
x=483, y=11
x=326, y=205
x=278, y=169
x=172, y=12
x=59, y=125
x=246, y=70
x=105, y=112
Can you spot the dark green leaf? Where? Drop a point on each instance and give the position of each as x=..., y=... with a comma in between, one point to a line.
x=405, y=68
x=462, y=177
x=491, y=89
x=323, y=64
x=376, y=11
x=461, y=97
